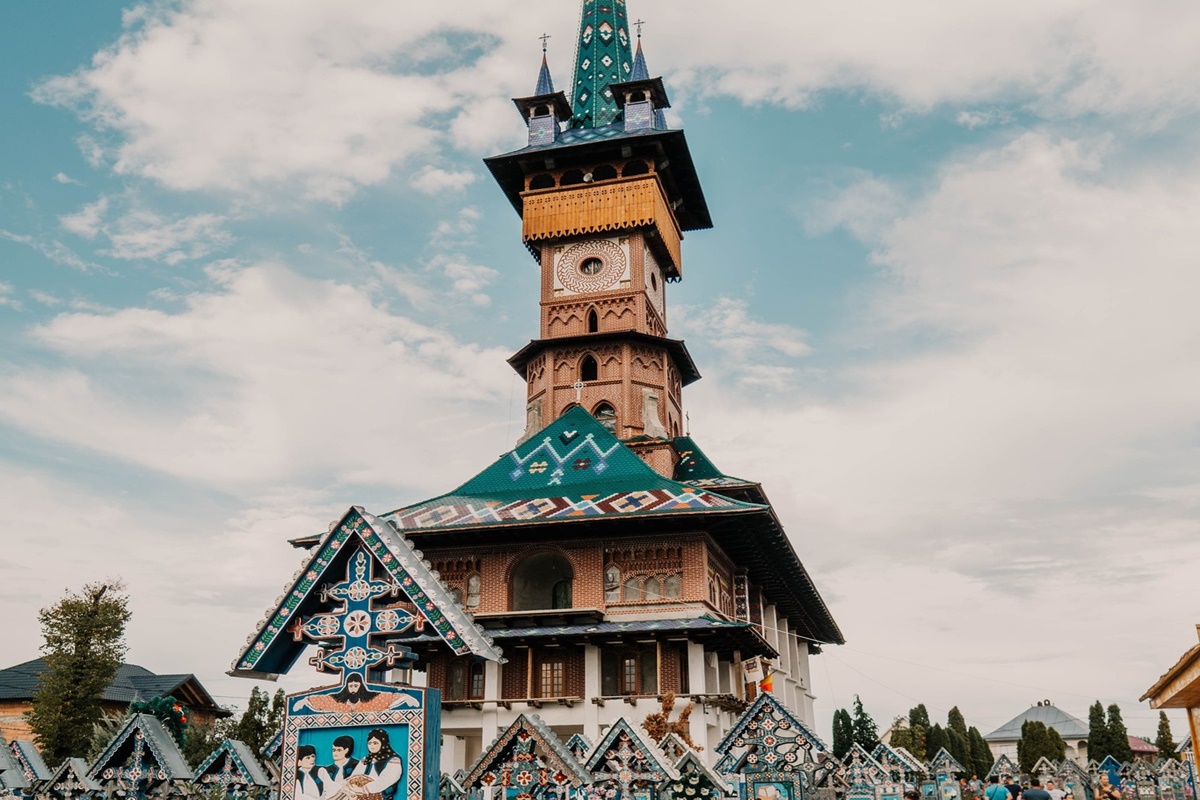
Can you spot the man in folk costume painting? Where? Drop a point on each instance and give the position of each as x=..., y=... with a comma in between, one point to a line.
x=312, y=782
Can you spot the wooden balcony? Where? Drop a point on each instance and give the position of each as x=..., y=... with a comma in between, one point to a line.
x=612, y=205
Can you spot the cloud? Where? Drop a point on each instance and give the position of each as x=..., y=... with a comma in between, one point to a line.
x=435, y=181
x=753, y=352
x=64, y=178
x=267, y=377
x=87, y=221
x=139, y=234
x=54, y=250
x=6, y=297
x=468, y=280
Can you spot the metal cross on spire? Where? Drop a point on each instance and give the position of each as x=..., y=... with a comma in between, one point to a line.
x=544, y=37
x=639, y=23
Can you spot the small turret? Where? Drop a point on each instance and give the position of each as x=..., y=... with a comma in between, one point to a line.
x=641, y=98
x=545, y=110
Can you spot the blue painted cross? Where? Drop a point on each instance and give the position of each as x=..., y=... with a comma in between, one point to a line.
x=344, y=635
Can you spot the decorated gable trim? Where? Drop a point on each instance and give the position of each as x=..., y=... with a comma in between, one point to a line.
x=661, y=766
x=558, y=758
x=1003, y=766
x=245, y=765
x=904, y=761
x=944, y=764
x=30, y=760
x=70, y=777
x=161, y=746
x=692, y=761
x=579, y=746
x=403, y=564
x=12, y=776
x=767, y=701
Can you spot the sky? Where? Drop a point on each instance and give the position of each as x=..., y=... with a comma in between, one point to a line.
x=253, y=271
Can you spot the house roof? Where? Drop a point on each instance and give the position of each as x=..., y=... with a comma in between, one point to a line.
x=1068, y=727
x=131, y=683
x=1141, y=746
x=1173, y=689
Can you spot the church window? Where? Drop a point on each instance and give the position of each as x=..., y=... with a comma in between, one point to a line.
x=629, y=671
x=637, y=97
x=551, y=678
x=604, y=172
x=591, y=266
x=589, y=370
x=653, y=589
x=612, y=584
x=607, y=416
x=473, y=587
x=464, y=680
x=633, y=589
x=672, y=587
x=541, y=181
x=542, y=581
x=571, y=177
x=475, y=688
x=653, y=282
x=635, y=167
x=593, y=322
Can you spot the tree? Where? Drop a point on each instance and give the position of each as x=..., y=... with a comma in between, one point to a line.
x=1037, y=741
x=1164, y=741
x=84, y=644
x=935, y=740
x=843, y=733
x=918, y=721
x=866, y=733
x=981, y=754
x=956, y=732
x=1098, y=739
x=1118, y=736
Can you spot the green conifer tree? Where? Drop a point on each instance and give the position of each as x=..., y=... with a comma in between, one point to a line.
x=866, y=733
x=84, y=636
x=981, y=754
x=1056, y=748
x=843, y=733
x=1164, y=741
x=1118, y=736
x=1098, y=739
x=935, y=740
x=918, y=720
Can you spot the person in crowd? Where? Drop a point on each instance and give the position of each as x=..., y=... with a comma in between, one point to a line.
x=1035, y=791
x=1106, y=790
x=1013, y=787
x=1054, y=792
x=995, y=791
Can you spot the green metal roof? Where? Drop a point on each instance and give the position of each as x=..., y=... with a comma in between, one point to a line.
x=574, y=468
x=696, y=467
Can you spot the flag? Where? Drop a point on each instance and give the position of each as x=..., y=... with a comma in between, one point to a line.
x=767, y=684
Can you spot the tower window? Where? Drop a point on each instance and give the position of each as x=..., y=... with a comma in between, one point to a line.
x=607, y=416
x=473, y=587
x=589, y=370
x=612, y=584
x=591, y=266
x=635, y=167
x=604, y=172
x=593, y=321
x=542, y=581
x=541, y=181
x=541, y=111
x=653, y=282
x=571, y=177
x=637, y=97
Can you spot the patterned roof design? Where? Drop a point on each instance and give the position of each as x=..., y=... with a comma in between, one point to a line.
x=1068, y=727
x=131, y=683
x=527, y=739
x=603, y=57
x=574, y=469
x=70, y=779
x=579, y=746
x=545, y=84
x=142, y=743
x=694, y=773
x=11, y=774
x=232, y=764
x=642, y=73
x=626, y=755
x=269, y=653
x=29, y=759
x=898, y=760
x=766, y=705
x=696, y=468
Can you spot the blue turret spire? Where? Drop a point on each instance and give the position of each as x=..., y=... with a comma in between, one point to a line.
x=603, y=58
x=642, y=73
x=545, y=84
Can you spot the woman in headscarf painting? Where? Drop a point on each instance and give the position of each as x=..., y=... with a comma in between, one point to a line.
x=378, y=775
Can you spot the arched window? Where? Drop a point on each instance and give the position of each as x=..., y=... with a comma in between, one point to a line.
x=604, y=172
x=633, y=589
x=571, y=177
x=542, y=581
x=541, y=111
x=607, y=416
x=464, y=680
x=635, y=167
x=588, y=369
x=593, y=321
x=672, y=587
x=653, y=589
x=541, y=181
x=456, y=595
x=473, y=587
x=612, y=584
x=637, y=97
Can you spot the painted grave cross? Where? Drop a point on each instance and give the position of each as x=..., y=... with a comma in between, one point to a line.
x=344, y=634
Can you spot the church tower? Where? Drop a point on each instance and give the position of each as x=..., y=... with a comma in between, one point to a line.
x=606, y=193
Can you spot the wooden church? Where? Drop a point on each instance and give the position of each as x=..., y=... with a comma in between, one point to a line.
x=606, y=554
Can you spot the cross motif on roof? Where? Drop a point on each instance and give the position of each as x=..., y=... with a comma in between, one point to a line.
x=344, y=635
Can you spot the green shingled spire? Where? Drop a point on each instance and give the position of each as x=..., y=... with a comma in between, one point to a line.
x=603, y=58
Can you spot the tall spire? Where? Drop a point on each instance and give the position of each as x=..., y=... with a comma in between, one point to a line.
x=545, y=84
x=642, y=73
x=603, y=58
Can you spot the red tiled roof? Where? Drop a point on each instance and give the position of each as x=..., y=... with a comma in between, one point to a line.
x=1141, y=745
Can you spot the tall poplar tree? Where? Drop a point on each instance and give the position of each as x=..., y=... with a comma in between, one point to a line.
x=1164, y=741
x=84, y=644
x=1098, y=739
x=981, y=754
x=1118, y=736
x=918, y=721
x=960, y=743
x=843, y=733
x=935, y=740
